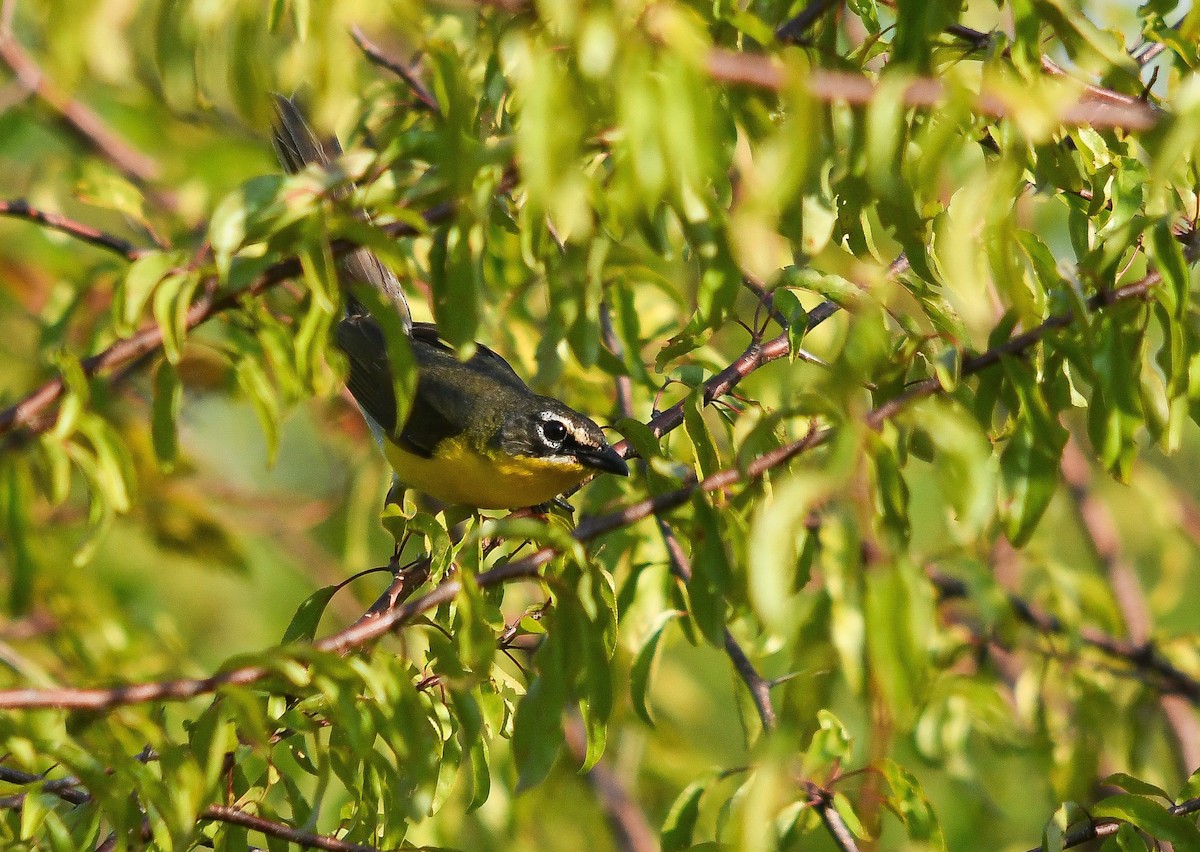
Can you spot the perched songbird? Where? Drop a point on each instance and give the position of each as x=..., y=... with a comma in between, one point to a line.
x=476, y=436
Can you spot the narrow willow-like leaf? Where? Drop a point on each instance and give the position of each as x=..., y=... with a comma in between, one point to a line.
x=643, y=665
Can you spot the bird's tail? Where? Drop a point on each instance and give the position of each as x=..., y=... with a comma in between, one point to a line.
x=297, y=146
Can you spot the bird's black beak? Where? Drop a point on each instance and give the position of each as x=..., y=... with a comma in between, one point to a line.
x=604, y=458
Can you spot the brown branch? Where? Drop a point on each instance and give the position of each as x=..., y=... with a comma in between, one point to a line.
x=31, y=414
x=305, y=839
x=80, y=119
x=1142, y=659
x=1095, y=93
x=1109, y=827
x=367, y=630
x=18, y=208
x=760, y=71
x=755, y=356
x=1016, y=345
x=631, y=832
x=71, y=791
x=834, y=824
x=1100, y=528
x=760, y=688
x=66, y=789
x=378, y=57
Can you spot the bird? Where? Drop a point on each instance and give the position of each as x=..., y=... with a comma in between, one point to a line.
x=475, y=436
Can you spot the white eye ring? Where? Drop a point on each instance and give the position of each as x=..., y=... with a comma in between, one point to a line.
x=553, y=431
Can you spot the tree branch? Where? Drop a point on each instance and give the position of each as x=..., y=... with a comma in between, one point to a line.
x=71, y=791
x=760, y=688
x=1109, y=827
x=795, y=29
x=758, y=70
x=19, y=208
x=305, y=839
x=378, y=57
x=31, y=414
x=1142, y=658
x=834, y=824
x=80, y=119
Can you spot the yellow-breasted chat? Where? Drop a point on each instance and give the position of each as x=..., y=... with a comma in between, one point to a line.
x=475, y=435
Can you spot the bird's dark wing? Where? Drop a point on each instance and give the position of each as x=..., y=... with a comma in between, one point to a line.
x=484, y=361
x=370, y=377
x=370, y=383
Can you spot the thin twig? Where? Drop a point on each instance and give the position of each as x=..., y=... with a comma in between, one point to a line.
x=79, y=118
x=796, y=29
x=756, y=355
x=29, y=415
x=71, y=791
x=759, y=71
x=759, y=687
x=378, y=57
x=1109, y=827
x=631, y=832
x=1144, y=659
x=19, y=208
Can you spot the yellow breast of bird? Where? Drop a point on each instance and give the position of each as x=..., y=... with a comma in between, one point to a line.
x=461, y=476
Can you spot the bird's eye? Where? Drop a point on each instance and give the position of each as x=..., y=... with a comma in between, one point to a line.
x=553, y=431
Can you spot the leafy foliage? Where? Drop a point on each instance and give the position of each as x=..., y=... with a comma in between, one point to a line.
x=919, y=580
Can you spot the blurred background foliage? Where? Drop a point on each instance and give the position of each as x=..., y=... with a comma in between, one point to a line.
x=972, y=612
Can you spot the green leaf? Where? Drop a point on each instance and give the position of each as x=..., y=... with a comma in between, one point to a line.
x=474, y=634
x=846, y=811
x=643, y=665
x=697, y=431
x=963, y=465
x=1167, y=255
x=537, y=728
x=36, y=807
x=16, y=517
x=168, y=398
x=257, y=387
x=712, y=572
x=1152, y=818
x=172, y=298
x=320, y=269
x=144, y=274
x=1029, y=462
x=777, y=534
x=909, y=803
x=1127, y=839
x=681, y=818
x=830, y=745
x=455, y=282
x=306, y=619
x=1135, y=785
x=481, y=774
x=99, y=184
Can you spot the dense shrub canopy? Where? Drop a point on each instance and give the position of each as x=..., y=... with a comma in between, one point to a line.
x=891, y=302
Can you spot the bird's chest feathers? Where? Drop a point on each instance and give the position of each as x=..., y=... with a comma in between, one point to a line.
x=462, y=476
